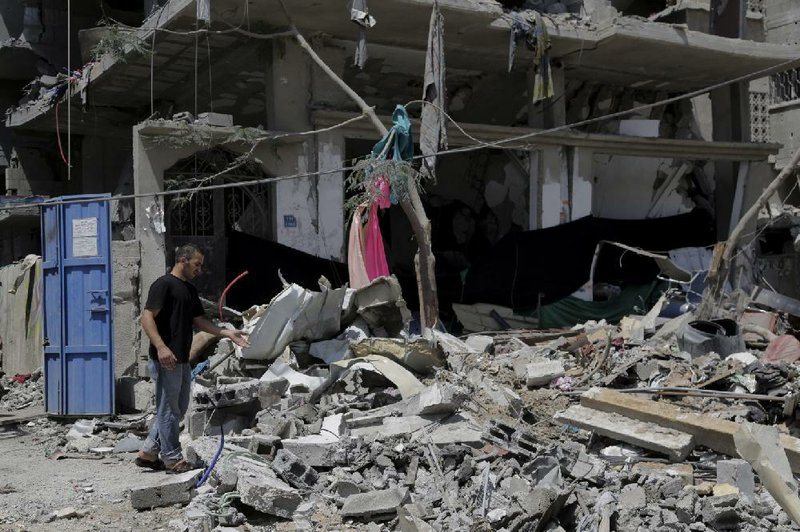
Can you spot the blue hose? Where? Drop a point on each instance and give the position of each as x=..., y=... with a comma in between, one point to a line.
x=210, y=467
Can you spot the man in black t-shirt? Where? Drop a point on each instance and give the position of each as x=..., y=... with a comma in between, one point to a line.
x=173, y=308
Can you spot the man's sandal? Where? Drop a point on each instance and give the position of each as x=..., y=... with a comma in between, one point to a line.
x=155, y=465
x=181, y=466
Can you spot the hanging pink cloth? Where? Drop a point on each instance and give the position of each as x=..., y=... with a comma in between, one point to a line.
x=374, y=254
x=355, y=251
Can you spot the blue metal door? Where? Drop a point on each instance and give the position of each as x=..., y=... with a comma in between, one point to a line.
x=79, y=359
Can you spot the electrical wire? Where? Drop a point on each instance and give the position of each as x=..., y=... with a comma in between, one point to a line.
x=58, y=137
x=479, y=144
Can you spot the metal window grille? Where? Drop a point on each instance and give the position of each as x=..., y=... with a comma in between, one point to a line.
x=759, y=117
x=756, y=6
x=785, y=86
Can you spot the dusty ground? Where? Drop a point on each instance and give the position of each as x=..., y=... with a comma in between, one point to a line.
x=39, y=486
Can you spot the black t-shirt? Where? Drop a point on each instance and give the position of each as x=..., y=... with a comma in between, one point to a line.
x=179, y=304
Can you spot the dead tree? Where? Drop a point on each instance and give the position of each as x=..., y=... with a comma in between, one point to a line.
x=424, y=261
x=721, y=263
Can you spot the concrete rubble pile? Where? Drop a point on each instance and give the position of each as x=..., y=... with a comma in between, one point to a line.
x=336, y=418
x=21, y=391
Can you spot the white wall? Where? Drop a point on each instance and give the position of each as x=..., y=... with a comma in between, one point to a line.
x=625, y=186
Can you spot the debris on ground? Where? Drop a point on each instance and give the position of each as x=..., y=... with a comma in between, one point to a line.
x=21, y=391
x=335, y=423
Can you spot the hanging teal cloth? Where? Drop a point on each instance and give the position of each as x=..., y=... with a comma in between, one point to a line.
x=403, y=149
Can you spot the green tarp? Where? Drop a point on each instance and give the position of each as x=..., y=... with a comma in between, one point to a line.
x=571, y=310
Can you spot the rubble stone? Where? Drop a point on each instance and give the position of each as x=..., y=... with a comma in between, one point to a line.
x=683, y=471
x=178, y=489
x=293, y=471
x=480, y=343
x=267, y=493
x=632, y=497
x=737, y=473
x=542, y=372
x=436, y=399
x=318, y=450
x=720, y=512
x=374, y=505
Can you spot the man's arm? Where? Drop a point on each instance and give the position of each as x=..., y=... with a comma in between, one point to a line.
x=165, y=355
x=238, y=337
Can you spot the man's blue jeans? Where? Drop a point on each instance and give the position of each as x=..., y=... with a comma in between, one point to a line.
x=172, y=400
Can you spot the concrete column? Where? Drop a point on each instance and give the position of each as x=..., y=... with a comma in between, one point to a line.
x=148, y=177
x=554, y=180
x=332, y=226
x=582, y=183
x=534, y=190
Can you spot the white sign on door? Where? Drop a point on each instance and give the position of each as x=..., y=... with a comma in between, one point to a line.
x=84, y=237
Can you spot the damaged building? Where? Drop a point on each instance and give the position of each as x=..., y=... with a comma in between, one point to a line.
x=593, y=173
x=158, y=105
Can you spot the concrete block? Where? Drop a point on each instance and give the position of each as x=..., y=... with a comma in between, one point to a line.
x=720, y=512
x=480, y=343
x=273, y=425
x=270, y=391
x=737, y=473
x=455, y=433
x=318, y=450
x=266, y=445
x=291, y=469
x=135, y=395
x=229, y=420
x=262, y=490
x=436, y=399
x=542, y=372
x=177, y=489
x=374, y=505
x=674, y=444
x=227, y=394
x=683, y=471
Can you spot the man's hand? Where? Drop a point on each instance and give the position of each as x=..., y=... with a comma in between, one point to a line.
x=237, y=337
x=167, y=358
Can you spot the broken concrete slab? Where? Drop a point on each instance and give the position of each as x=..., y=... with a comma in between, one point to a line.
x=683, y=471
x=453, y=432
x=271, y=390
x=674, y=444
x=480, y=343
x=317, y=450
x=381, y=305
x=716, y=434
x=263, y=490
x=389, y=427
x=406, y=382
x=542, y=372
x=177, y=489
x=224, y=395
x=417, y=354
x=438, y=398
x=291, y=469
x=737, y=473
x=375, y=505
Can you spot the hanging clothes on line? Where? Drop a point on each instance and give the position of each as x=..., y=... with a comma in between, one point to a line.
x=374, y=253
x=356, y=266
